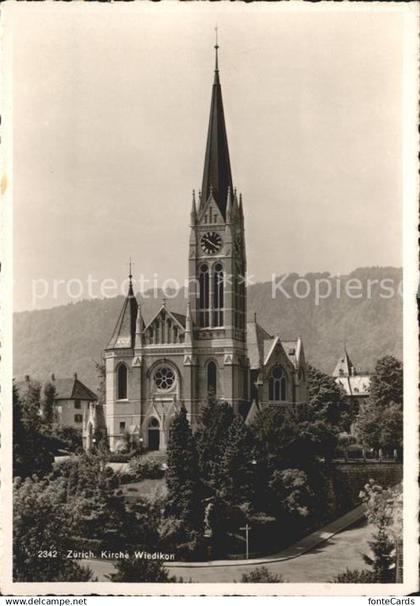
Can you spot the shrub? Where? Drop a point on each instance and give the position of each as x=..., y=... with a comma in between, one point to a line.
x=140, y=571
x=71, y=437
x=261, y=575
x=142, y=469
x=176, y=538
x=354, y=576
x=120, y=457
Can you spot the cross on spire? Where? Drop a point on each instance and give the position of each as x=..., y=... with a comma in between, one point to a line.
x=216, y=46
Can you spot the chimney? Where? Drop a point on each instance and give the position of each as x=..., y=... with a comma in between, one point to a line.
x=75, y=375
x=53, y=377
x=27, y=378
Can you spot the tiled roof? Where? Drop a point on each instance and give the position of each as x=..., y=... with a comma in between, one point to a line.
x=356, y=385
x=68, y=388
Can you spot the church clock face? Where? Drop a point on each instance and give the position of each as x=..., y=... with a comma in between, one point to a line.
x=211, y=243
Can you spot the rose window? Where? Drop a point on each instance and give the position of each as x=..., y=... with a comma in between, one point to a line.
x=164, y=378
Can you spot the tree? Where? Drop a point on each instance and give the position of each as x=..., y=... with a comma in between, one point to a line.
x=327, y=401
x=294, y=497
x=71, y=438
x=386, y=385
x=136, y=570
x=238, y=472
x=32, y=450
x=48, y=404
x=294, y=440
x=383, y=510
x=277, y=430
x=211, y=438
x=391, y=432
x=380, y=420
x=261, y=575
x=42, y=523
x=101, y=377
x=183, y=476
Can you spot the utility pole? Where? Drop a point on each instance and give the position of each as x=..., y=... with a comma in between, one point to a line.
x=247, y=529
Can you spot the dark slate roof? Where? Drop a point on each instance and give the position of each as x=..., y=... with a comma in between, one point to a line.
x=72, y=389
x=125, y=329
x=217, y=175
x=256, y=336
x=65, y=389
x=180, y=317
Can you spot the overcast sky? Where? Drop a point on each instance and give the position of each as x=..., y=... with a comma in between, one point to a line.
x=111, y=107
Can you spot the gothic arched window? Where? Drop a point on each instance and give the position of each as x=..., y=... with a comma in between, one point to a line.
x=277, y=385
x=204, y=296
x=211, y=378
x=122, y=382
x=218, y=294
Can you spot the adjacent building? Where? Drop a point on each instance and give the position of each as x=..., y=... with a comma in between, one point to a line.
x=355, y=383
x=72, y=400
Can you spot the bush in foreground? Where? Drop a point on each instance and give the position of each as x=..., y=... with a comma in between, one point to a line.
x=355, y=576
x=140, y=571
x=261, y=575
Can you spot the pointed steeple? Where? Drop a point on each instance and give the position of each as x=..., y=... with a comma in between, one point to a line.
x=125, y=329
x=344, y=366
x=193, y=210
x=217, y=172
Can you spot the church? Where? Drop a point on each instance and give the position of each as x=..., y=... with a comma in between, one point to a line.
x=177, y=360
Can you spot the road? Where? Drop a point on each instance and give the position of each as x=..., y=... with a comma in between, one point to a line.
x=319, y=565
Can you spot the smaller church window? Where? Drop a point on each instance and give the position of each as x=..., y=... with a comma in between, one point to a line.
x=122, y=382
x=164, y=378
x=277, y=385
x=218, y=295
x=211, y=378
x=204, y=296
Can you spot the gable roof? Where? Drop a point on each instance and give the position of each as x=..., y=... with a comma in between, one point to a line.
x=67, y=388
x=72, y=389
x=256, y=337
x=179, y=318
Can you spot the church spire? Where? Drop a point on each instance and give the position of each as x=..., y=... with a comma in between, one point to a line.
x=217, y=173
x=130, y=280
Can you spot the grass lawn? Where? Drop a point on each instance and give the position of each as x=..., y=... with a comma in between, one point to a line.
x=148, y=489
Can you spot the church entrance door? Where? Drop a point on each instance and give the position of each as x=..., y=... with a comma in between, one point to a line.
x=154, y=434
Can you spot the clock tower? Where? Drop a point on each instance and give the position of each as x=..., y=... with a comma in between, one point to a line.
x=217, y=346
